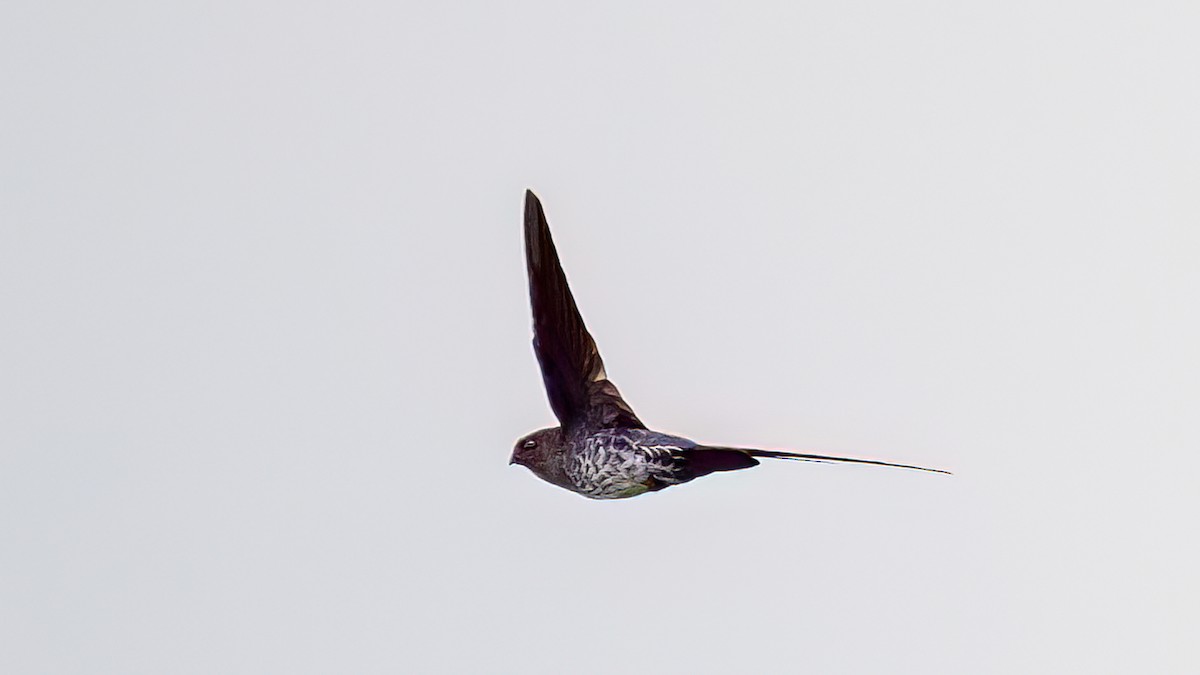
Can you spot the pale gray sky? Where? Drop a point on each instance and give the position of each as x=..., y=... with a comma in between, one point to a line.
x=266, y=335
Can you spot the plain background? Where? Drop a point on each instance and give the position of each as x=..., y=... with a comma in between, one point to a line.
x=266, y=335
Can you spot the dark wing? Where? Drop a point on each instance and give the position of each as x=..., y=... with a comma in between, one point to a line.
x=579, y=391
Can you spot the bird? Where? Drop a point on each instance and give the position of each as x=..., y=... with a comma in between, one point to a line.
x=600, y=448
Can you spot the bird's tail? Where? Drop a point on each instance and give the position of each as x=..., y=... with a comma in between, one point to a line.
x=803, y=457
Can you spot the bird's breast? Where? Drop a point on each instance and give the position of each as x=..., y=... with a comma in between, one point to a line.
x=610, y=465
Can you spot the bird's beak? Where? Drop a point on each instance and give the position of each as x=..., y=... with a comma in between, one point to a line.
x=512, y=460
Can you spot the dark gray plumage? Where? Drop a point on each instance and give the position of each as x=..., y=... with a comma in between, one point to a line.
x=601, y=449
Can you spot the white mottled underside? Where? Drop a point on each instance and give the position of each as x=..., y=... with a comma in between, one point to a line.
x=614, y=464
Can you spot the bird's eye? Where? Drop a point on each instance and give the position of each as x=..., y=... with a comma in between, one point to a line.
x=529, y=445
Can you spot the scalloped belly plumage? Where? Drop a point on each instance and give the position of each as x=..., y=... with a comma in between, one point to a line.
x=609, y=467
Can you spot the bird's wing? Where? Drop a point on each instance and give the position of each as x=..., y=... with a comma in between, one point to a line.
x=579, y=391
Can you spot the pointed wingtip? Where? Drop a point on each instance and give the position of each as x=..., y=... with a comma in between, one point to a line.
x=538, y=244
x=533, y=209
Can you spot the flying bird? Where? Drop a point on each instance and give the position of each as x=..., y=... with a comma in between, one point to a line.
x=601, y=449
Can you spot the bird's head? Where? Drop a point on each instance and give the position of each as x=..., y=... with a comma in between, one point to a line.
x=541, y=452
